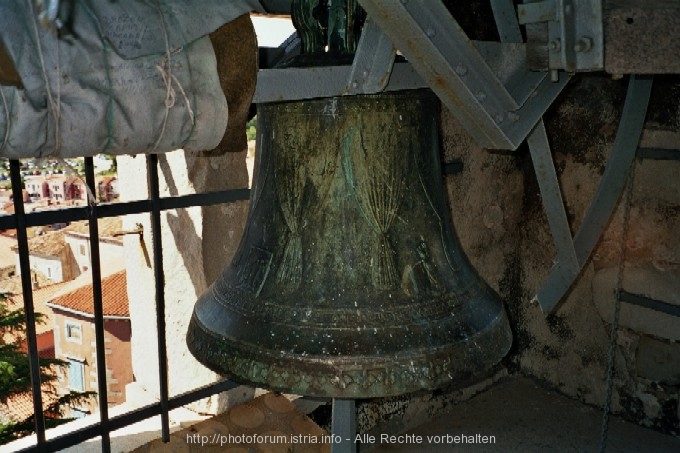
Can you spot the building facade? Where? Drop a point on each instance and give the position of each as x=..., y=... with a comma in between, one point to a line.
x=74, y=342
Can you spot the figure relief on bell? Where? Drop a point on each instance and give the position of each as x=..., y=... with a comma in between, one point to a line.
x=420, y=276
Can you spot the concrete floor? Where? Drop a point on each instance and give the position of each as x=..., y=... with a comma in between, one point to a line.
x=525, y=417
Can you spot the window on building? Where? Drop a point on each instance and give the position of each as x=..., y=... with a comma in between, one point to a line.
x=49, y=272
x=76, y=375
x=79, y=413
x=82, y=249
x=74, y=332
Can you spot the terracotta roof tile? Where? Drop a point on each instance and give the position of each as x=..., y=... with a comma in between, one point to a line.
x=48, y=244
x=107, y=227
x=106, y=179
x=13, y=284
x=19, y=407
x=40, y=298
x=114, y=294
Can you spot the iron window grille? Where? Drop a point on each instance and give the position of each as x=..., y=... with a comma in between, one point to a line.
x=22, y=220
x=154, y=205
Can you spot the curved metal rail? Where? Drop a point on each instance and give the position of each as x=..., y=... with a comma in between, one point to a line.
x=599, y=213
x=573, y=253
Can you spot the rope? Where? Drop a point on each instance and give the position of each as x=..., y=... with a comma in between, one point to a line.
x=55, y=107
x=165, y=68
x=5, y=139
x=611, y=362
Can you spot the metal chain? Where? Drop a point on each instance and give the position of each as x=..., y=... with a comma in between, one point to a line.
x=611, y=362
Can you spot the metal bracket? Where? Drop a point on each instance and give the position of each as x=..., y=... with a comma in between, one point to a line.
x=539, y=147
x=373, y=61
x=574, y=40
x=498, y=115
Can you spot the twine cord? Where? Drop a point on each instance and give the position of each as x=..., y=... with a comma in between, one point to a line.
x=5, y=139
x=54, y=106
x=165, y=69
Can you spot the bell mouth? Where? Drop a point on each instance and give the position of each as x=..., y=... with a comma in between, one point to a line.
x=344, y=360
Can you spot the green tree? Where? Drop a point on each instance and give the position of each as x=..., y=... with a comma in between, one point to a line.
x=15, y=377
x=114, y=164
x=251, y=128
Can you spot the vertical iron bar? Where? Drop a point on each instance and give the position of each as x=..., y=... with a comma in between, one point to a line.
x=25, y=268
x=97, y=297
x=152, y=163
x=344, y=425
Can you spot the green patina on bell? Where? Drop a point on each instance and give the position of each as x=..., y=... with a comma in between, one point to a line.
x=349, y=281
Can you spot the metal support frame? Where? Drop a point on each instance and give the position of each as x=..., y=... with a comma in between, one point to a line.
x=605, y=200
x=553, y=204
x=344, y=425
x=452, y=66
x=506, y=20
x=289, y=84
x=486, y=85
x=541, y=156
x=373, y=61
x=575, y=39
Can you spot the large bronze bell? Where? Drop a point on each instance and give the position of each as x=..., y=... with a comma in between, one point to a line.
x=349, y=281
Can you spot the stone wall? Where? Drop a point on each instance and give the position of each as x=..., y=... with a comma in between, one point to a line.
x=498, y=214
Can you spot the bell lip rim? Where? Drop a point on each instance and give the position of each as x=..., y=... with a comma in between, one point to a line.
x=498, y=333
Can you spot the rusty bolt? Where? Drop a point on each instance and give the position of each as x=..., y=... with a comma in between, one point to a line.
x=555, y=45
x=583, y=44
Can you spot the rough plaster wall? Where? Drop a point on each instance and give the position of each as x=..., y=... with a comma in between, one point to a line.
x=197, y=242
x=498, y=215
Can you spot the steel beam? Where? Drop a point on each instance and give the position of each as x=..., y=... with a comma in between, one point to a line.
x=608, y=193
x=552, y=198
x=506, y=20
x=288, y=84
x=452, y=66
x=344, y=426
x=373, y=61
x=440, y=51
